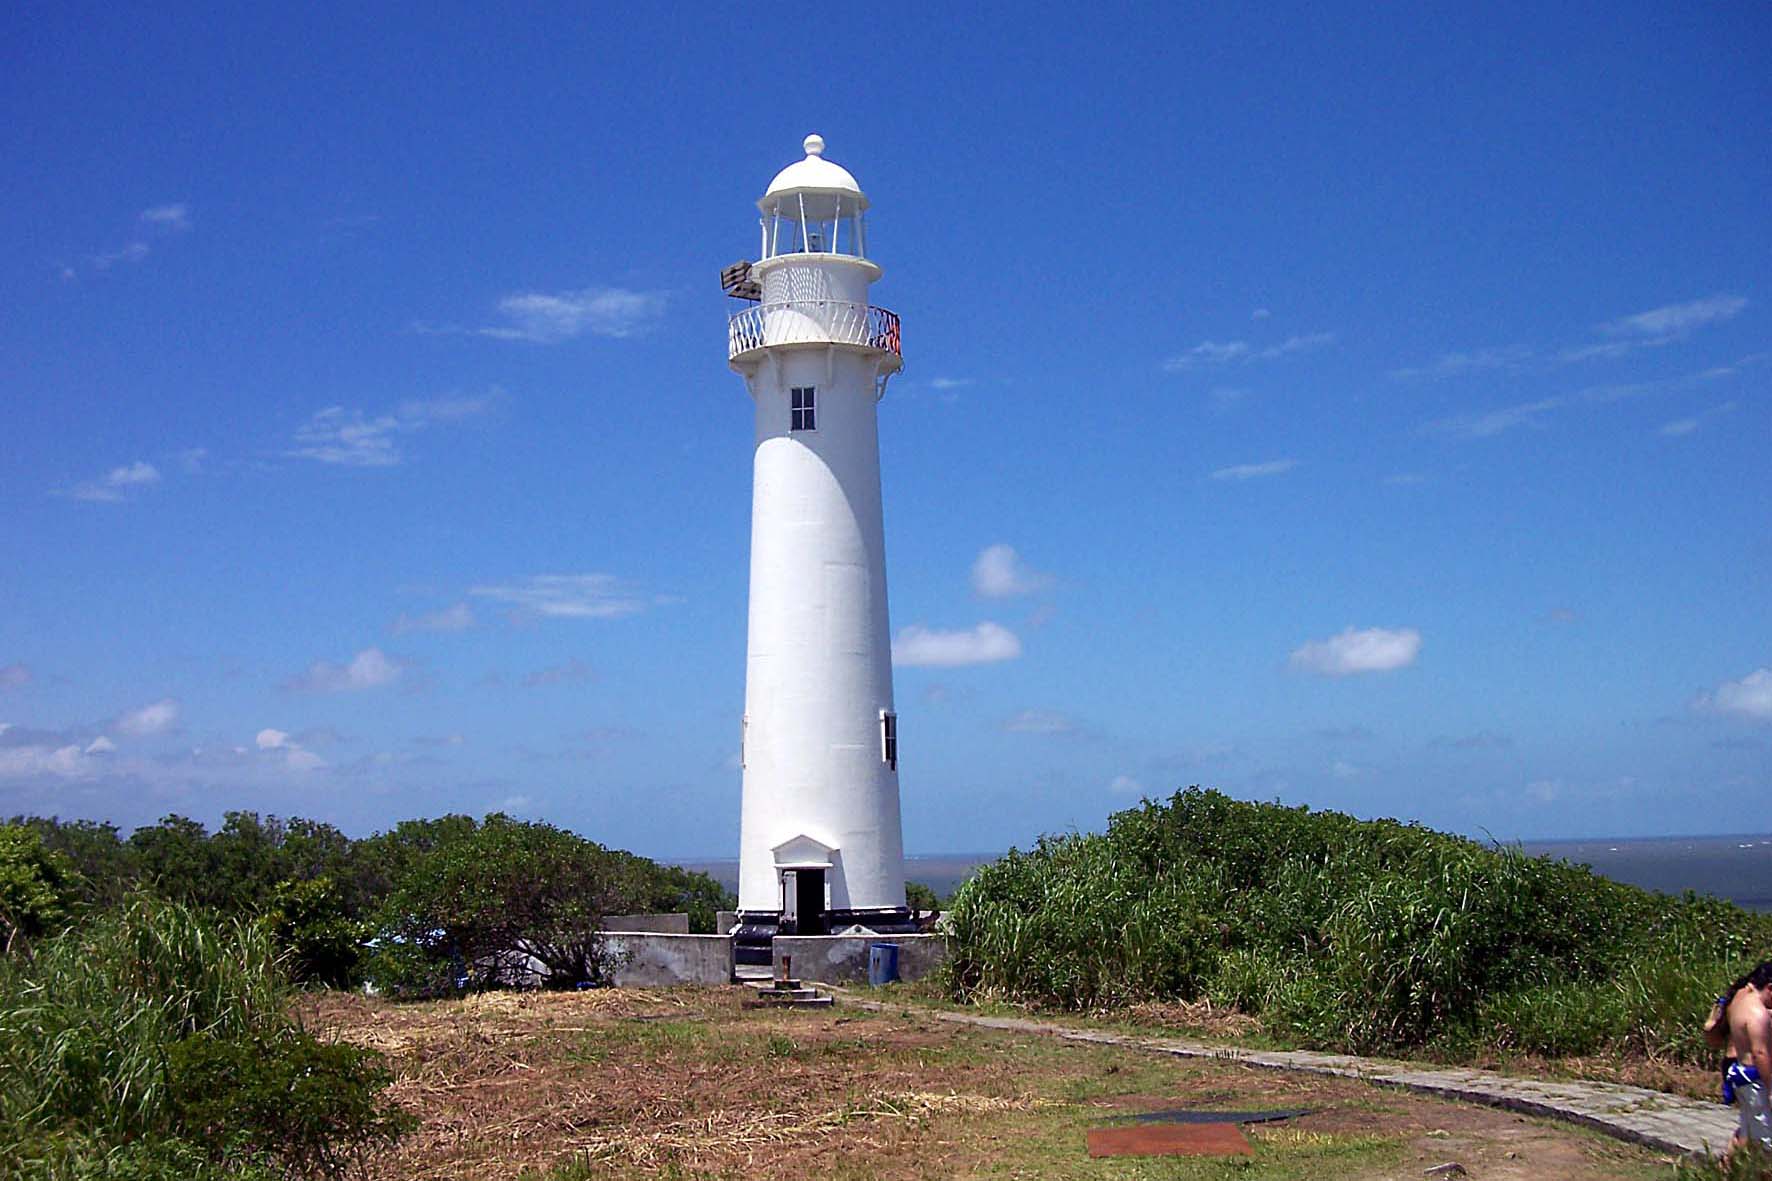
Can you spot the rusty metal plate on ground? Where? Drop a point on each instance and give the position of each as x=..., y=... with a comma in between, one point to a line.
x=1170, y=1140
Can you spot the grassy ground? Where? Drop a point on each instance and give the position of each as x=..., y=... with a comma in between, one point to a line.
x=690, y=1083
x=1207, y=1023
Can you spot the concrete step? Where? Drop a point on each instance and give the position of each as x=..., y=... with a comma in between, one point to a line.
x=792, y=1001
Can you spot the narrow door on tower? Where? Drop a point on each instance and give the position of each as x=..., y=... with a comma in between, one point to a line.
x=809, y=901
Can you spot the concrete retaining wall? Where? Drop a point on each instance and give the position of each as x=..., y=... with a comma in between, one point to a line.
x=646, y=959
x=843, y=959
x=724, y=921
x=664, y=924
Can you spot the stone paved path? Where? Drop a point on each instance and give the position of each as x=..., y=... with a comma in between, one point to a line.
x=1670, y=1123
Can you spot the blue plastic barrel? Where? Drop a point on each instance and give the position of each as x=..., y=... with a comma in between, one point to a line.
x=882, y=963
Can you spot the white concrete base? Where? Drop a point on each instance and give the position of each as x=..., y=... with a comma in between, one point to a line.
x=647, y=959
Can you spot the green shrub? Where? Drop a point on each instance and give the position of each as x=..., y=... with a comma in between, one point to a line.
x=1347, y=934
x=94, y=1031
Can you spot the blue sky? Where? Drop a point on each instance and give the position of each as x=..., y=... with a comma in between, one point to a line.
x=1363, y=412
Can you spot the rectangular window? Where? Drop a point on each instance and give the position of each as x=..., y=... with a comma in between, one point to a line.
x=801, y=405
x=889, y=738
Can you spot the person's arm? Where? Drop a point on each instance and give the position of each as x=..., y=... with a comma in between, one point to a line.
x=1716, y=1026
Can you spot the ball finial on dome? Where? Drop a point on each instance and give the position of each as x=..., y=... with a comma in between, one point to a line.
x=814, y=144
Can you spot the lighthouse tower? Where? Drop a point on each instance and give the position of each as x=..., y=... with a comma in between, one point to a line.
x=821, y=846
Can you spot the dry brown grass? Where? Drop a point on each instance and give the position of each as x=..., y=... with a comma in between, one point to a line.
x=629, y=1083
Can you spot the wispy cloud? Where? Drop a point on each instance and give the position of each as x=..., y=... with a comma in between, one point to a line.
x=287, y=750
x=1476, y=361
x=1676, y=319
x=921, y=647
x=149, y=720
x=1643, y=330
x=1125, y=785
x=1373, y=649
x=14, y=676
x=459, y=617
x=1040, y=721
x=571, y=672
x=118, y=484
x=1486, y=424
x=1750, y=697
x=160, y=220
x=999, y=573
x=1214, y=353
x=565, y=596
x=369, y=669
x=950, y=383
x=1255, y=471
x=1681, y=427
x=175, y=217
x=349, y=438
x=540, y=317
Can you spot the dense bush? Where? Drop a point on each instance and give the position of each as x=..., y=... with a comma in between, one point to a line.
x=155, y=1042
x=1348, y=934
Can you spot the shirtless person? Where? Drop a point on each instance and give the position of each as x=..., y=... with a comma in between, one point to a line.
x=1750, y=1037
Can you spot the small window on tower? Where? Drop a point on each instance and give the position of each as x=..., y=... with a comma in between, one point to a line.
x=804, y=414
x=889, y=738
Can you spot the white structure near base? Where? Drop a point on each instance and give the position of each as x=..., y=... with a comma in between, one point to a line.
x=820, y=840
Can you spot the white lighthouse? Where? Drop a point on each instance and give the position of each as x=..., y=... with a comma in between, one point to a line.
x=821, y=846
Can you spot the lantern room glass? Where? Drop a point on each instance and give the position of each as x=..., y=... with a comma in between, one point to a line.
x=814, y=223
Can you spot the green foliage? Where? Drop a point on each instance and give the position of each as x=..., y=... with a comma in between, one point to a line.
x=91, y=1065
x=312, y=1108
x=919, y=897
x=492, y=895
x=105, y=863
x=37, y=888
x=323, y=944
x=1347, y=934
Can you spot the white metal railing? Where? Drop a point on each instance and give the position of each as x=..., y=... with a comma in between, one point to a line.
x=812, y=321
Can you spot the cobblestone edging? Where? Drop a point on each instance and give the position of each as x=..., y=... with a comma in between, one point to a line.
x=1669, y=1123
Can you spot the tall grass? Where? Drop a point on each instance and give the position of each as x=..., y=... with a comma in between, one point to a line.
x=1348, y=934
x=93, y=1029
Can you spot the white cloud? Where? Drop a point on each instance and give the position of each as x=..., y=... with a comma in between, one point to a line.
x=1260, y=314
x=921, y=647
x=1676, y=319
x=1213, y=353
x=1040, y=721
x=369, y=669
x=1475, y=361
x=516, y=805
x=460, y=617
x=1344, y=770
x=32, y=761
x=1750, y=697
x=175, y=217
x=1208, y=352
x=1493, y=422
x=130, y=252
x=950, y=383
x=117, y=484
x=100, y=746
x=157, y=718
x=541, y=318
x=14, y=676
x=998, y=573
x=565, y=596
x=289, y=752
x=1680, y=426
x=1125, y=785
x=1254, y=471
x=350, y=438
x=1374, y=649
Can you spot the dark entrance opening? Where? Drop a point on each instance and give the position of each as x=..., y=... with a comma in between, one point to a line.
x=809, y=901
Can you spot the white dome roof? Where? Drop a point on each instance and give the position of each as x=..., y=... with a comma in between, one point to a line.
x=815, y=174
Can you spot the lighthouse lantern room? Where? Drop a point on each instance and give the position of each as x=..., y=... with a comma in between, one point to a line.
x=821, y=845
